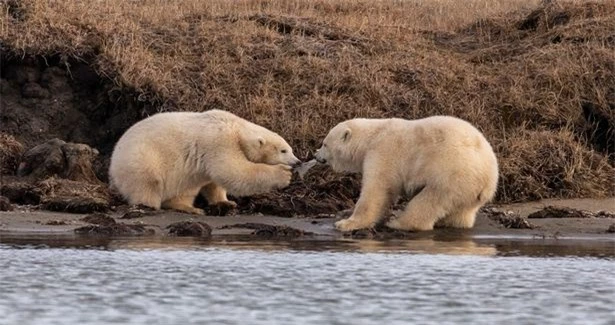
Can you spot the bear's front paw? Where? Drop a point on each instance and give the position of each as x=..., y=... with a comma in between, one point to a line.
x=351, y=224
x=221, y=208
x=394, y=224
x=283, y=175
x=194, y=211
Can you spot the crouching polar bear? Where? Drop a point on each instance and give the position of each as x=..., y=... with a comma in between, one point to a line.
x=167, y=159
x=444, y=161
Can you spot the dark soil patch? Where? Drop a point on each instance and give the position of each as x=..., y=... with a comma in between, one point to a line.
x=58, y=97
x=611, y=229
x=56, y=223
x=329, y=38
x=556, y=212
x=118, y=229
x=5, y=204
x=20, y=192
x=508, y=219
x=189, y=229
x=10, y=152
x=75, y=204
x=270, y=231
x=319, y=194
x=99, y=219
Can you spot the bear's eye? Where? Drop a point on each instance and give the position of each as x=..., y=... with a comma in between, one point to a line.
x=283, y=150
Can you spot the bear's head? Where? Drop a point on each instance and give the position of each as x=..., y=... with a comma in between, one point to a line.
x=342, y=148
x=268, y=148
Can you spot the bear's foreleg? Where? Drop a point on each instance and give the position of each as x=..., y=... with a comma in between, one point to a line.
x=376, y=196
x=241, y=177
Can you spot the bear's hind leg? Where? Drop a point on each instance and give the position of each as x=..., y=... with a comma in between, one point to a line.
x=184, y=202
x=216, y=195
x=462, y=218
x=422, y=212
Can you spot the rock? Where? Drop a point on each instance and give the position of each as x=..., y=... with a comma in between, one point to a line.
x=133, y=214
x=44, y=160
x=555, y=212
x=508, y=219
x=189, y=229
x=5, y=204
x=118, y=229
x=269, y=231
x=56, y=157
x=101, y=219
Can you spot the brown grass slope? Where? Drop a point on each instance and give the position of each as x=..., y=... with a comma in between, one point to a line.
x=537, y=79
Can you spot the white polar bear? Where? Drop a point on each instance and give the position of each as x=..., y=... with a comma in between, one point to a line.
x=445, y=162
x=166, y=159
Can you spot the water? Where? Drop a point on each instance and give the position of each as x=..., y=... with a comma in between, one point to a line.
x=412, y=282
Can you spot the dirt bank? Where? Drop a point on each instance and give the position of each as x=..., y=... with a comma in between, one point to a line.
x=536, y=79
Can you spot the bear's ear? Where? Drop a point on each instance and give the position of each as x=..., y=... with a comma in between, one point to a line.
x=261, y=141
x=346, y=135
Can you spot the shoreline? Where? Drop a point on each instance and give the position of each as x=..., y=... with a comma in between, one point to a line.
x=25, y=223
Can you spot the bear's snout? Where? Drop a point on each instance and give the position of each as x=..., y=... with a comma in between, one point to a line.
x=321, y=160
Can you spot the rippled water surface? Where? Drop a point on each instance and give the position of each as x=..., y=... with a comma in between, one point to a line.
x=421, y=282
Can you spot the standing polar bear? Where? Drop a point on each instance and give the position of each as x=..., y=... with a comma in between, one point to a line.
x=166, y=159
x=445, y=161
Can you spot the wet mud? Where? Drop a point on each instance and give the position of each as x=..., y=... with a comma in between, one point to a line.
x=101, y=224
x=270, y=231
x=506, y=221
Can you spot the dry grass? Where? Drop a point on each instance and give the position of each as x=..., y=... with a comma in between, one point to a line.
x=10, y=152
x=537, y=80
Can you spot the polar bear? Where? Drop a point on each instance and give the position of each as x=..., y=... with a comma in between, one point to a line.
x=445, y=163
x=167, y=159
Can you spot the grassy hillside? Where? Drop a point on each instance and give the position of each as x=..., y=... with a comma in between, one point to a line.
x=537, y=78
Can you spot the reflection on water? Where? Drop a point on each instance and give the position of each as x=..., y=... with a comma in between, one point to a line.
x=72, y=280
x=449, y=245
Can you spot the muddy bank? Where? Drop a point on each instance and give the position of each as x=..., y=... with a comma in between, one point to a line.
x=23, y=221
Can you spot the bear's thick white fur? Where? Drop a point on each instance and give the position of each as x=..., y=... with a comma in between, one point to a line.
x=445, y=162
x=166, y=159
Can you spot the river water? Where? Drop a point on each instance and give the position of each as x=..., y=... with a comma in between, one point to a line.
x=187, y=281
